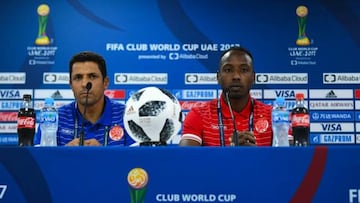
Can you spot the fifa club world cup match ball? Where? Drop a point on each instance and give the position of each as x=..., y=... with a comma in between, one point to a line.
x=152, y=115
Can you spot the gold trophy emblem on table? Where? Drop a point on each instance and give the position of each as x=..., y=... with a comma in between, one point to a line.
x=43, y=11
x=302, y=12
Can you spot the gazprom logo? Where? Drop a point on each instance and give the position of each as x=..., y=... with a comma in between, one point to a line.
x=199, y=94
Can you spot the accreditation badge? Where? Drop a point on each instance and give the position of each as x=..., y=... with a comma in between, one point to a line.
x=116, y=133
x=261, y=125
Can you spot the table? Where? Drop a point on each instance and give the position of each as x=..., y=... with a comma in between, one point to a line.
x=180, y=174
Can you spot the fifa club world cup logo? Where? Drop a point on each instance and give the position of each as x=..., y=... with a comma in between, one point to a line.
x=302, y=12
x=43, y=11
x=137, y=179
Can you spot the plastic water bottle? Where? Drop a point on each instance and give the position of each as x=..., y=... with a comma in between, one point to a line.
x=280, y=123
x=48, y=123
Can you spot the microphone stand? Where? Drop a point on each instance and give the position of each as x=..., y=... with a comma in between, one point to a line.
x=235, y=136
x=82, y=135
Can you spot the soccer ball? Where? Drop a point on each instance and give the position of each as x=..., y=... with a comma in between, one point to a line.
x=152, y=115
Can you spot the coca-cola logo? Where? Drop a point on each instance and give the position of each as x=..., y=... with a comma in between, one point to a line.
x=115, y=94
x=26, y=122
x=8, y=116
x=300, y=120
x=187, y=105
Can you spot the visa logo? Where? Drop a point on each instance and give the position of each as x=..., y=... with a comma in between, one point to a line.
x=331, y=127
x=10, y=94
x=285, y=93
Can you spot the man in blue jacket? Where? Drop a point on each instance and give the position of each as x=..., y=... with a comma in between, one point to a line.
x=103, y=120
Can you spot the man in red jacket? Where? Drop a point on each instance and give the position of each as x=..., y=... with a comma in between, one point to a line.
x=212, y=124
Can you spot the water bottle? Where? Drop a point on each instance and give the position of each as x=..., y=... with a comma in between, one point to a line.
x=48, y=123
x=300, y=122
x=280, y=123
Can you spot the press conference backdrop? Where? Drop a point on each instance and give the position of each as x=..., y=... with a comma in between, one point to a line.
x=311, y=47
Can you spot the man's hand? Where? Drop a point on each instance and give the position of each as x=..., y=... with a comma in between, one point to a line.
x=246, y=138
x=89, y=142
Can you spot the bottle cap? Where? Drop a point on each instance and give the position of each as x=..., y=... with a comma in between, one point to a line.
x=280, y=101
x=299, y=96
x=49, y=101
x=27, y=97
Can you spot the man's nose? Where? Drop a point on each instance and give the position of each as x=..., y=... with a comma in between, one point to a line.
x=237, y=75
x=84, y=81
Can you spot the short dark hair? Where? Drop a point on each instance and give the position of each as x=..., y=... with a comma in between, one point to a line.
x=235, y=48
x=89, y=56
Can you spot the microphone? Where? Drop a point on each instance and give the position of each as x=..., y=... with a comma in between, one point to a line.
x=235, y=136
x=88, y=87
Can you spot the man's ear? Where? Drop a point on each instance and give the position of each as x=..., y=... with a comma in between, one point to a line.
x=253, y=82
x=106, y=82
x=218, y=77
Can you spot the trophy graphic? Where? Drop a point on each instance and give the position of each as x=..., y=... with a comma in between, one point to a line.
x=43, y=10
x=137, y=179
x=302, y=12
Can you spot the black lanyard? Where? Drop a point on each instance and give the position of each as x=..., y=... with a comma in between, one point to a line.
x=106, y=134
x=221, y=124
x=76, y=127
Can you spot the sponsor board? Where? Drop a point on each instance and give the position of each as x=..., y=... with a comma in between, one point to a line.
x=331, y=116
x=357, y=104
x=198, y=94
x=187, y=105
x=8, y=139
x=12, y=78
x=357, y=139
x=357, y=116
x=56, y=78
x=8, y=127
x=341, y=78
x=10, y=104
x=332, y=127
x=331, y=104
x=141, y=78
x=331, y=94
x=281, y=78
x=332, y=139
x=115, y=94
x=289, y=104
x=255, y=93
x=8, y=116
x=357, y=127
x=286, y=93
x=54, y=93
x=357, y=93
x=200, y=78
x=14, y=93
x=38, y=104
